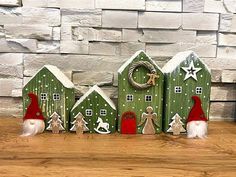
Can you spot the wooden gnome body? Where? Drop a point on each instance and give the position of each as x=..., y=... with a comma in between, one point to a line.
x=33, y=120
x=197, y=121
x=97, y=111
x=54, y=91
x=140, y=85
x=186, y=75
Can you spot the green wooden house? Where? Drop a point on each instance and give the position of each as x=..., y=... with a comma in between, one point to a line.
x=140, y=95
x=97, y=110
x=55, y=93
x=186, y=75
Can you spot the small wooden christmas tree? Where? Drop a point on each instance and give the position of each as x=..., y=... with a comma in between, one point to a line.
x=176, y=126
x=79, y=124
x=55, y=123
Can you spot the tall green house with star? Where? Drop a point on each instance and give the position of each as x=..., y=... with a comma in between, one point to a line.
x=140, y=95
x=55, y=93
x=186, y=75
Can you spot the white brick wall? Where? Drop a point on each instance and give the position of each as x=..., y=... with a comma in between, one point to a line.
x=159, y=20
x=99, y=35
x=200, y=21
x=193, y=5
x=119, y=19
x=121, y=4
x=164, y=5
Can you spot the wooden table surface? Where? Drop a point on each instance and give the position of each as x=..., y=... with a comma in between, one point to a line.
x=117, y=155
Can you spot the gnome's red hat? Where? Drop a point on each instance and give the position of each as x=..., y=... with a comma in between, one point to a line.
x=196, y=113
x=33, y=110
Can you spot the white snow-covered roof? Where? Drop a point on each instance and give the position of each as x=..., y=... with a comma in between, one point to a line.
x=121, y=69
x=172, y=64
x=59, y=75
x=100, y=92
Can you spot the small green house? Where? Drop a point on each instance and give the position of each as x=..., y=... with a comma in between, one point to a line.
x=140, y=95
x=55, y=93
x=97, y=111
x=186, y=75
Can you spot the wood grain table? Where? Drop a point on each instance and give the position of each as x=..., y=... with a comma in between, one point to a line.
x=70, y=155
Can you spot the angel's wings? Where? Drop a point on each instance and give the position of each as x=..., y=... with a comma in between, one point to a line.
x=155, y=119
x=143, y=118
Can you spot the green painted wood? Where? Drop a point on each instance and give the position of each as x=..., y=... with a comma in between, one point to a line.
x=95, y=102
x=138, y=105
x=182, y=103
x=45, y=82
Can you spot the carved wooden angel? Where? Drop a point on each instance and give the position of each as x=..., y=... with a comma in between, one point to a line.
x=150, y=119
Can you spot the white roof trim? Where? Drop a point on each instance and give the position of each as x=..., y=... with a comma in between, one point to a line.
x=122, y=68
x=173, y=63
x=100, y=92
x=58, y=74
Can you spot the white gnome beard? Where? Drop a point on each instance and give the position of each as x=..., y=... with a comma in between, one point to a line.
x=32, y=127
x=197, y=129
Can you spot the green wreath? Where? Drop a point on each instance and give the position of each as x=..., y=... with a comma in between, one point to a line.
x=132, y=68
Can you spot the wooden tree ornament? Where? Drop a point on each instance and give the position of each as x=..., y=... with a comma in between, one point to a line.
x=176, y=126
x=55, y=124
x=79, y=124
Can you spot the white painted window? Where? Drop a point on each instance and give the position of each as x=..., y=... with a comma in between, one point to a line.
x=43, y=96
x=103, y=112
x=198, y=90
x=129, y=97
x=56, y=96
x=178, y=89
x=88, y=112
x=148, y=98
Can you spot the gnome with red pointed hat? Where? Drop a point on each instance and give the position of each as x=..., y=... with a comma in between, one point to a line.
x=33, y=119
x=196, y=122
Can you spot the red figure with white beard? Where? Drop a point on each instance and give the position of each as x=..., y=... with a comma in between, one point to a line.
x=33, y=119
x=197, y=121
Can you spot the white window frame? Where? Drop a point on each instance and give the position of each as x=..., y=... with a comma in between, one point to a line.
x=88, y=112
x=129, y=96
x=103, y=112
x=148, y=96
x=198, y=90
x=56, y=96
x=178, y=89
x=43, y=96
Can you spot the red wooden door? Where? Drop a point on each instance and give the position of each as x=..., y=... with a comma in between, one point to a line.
x=128, y=123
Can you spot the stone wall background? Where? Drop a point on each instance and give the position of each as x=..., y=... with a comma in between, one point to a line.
x=89, y=39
